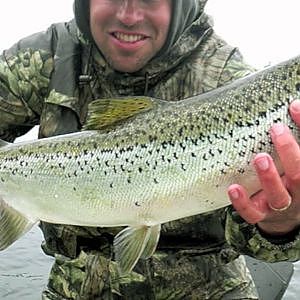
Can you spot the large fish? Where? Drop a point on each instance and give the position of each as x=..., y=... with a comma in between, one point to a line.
x=141, y=161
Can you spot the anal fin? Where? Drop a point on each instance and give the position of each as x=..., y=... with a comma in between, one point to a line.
x=12, y=225
x=133, y=243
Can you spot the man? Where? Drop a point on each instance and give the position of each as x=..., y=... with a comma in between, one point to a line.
x=166, y=49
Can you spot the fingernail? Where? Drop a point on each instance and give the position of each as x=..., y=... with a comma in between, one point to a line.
x=234, y=194
x=262, y=163
x=277, y=129
x=295, y=106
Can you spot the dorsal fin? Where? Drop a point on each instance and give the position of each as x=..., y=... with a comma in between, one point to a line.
x=103, y=113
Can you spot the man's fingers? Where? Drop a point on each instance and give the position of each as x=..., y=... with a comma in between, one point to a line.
x=246, y=208
x=288, y=152
x=271, y=183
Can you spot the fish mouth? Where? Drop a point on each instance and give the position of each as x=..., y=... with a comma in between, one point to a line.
x=128, y=37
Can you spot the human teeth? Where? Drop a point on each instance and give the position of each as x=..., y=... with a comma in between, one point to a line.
x=130, y=38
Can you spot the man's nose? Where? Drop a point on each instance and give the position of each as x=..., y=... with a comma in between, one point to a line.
x=130, y=12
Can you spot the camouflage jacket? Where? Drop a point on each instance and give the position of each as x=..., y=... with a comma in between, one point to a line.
x=48, y=79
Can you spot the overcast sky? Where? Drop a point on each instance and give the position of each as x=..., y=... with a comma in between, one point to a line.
x=266, y=31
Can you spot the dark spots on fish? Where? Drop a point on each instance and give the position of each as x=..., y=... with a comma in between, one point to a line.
x=111, y=185
x=262, y=114
x=23, y=163
x=256, y=122
x=242, y=153
x=155, y=181
x=74, y=189
x=239, y=123
x=193, y=154
x=164, y=145
x=241, y=171
x=278, y=120
x=152, y=138
x=75, y=173
x=115, y=169
x=297, y=86
x=249, y=124
x=284, y=77
x=194, y=142
x=175, y=155
x=122, y=150
x=223, y=171
x=106, y=163
x=140, y=170
x=137, y=204
x=2, y=179
x=211, y=153
x=183, y=167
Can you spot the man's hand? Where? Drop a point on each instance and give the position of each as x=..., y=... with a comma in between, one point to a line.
x=275, y=209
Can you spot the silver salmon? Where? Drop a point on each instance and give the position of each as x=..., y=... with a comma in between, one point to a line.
x=140, y=162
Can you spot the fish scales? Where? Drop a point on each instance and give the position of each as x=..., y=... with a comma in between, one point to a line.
x=157, y=162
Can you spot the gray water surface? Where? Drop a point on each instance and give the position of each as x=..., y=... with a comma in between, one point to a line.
x=24, y=268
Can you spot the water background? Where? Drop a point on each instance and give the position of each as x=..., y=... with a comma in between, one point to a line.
x=24, y=268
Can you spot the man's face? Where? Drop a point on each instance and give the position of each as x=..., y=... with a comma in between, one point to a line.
x=129, y=32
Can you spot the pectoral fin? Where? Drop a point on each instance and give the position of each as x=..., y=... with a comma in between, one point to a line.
x=134, y=242
x=12, y=225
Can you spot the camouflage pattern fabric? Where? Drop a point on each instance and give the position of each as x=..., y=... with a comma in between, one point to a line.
x=167, y=275
x=193, y=260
